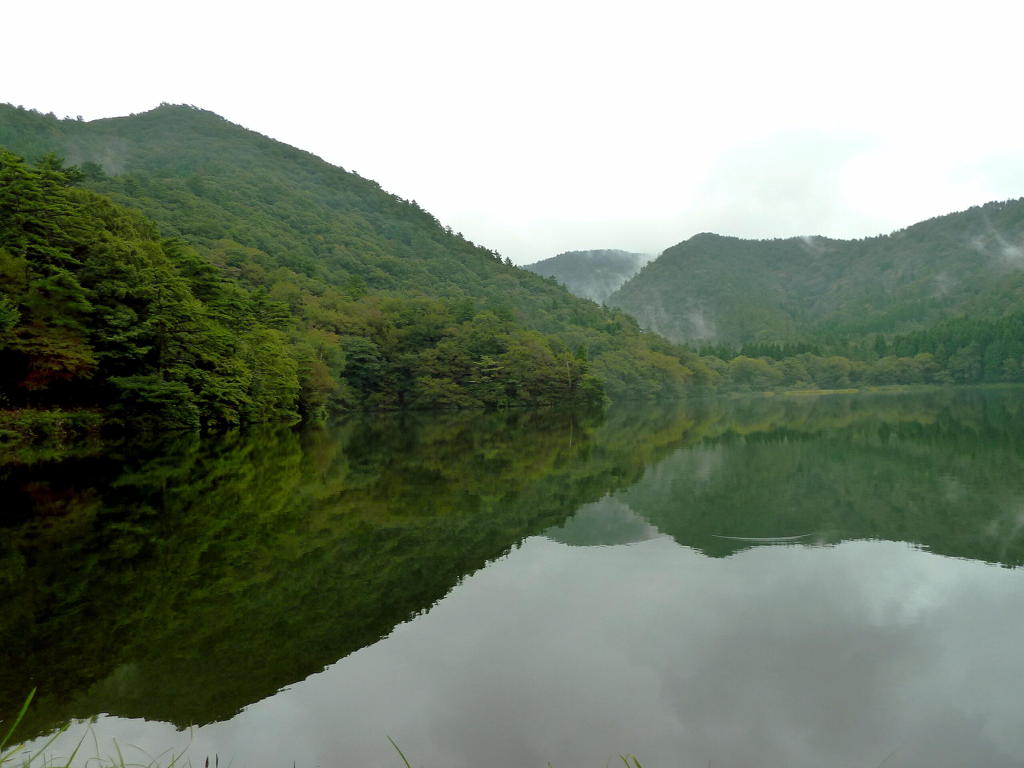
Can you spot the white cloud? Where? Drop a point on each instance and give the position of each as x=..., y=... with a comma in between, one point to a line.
x=539, y=127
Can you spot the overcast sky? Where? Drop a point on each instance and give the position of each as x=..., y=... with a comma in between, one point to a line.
x=538, y=127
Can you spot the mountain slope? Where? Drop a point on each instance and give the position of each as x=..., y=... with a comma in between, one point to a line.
x=343, y=259
x=716, y=289
x=591, y=274
x=222, y=186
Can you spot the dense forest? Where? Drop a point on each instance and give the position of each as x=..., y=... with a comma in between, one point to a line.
x=251, y=281
x=956, y=351
x=176, y=270
x=100, y=311
x=724, y=290
x=940, y=302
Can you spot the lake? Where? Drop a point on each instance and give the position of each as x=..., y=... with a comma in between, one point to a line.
x=780, y=581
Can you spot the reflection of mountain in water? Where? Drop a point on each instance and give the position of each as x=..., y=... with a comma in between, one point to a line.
x=185, y=583
x=943, y=470
x=950, y=480
x=604, y=523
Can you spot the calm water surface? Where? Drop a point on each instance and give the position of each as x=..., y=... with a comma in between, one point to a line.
x=777, y=582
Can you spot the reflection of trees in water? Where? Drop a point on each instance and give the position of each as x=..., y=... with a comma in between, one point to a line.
x=184, y=581
x=943, y=471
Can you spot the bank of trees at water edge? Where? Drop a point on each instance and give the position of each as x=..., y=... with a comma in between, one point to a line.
x=97, y=310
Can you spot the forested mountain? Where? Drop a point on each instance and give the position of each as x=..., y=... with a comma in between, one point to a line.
x=591, y=274
x=779, y=467
x=175, y=268
x=724, y=290
x=312, y=286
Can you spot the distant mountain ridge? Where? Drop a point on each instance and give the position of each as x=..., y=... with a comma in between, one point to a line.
x=591, y=274
x=724, y=290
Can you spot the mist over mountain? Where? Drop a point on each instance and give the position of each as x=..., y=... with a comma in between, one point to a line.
x=724, y=290
x=591, y=274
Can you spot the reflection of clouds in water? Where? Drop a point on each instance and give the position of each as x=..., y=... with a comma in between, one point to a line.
x=778, y=656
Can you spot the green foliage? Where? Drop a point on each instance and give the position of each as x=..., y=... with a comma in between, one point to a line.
x=819, y=292
x=380, y=306
x=167, y=403
x=52, y=426
x=99, y=312
x=957, y=351
x=290, y=288
x=9, y=317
